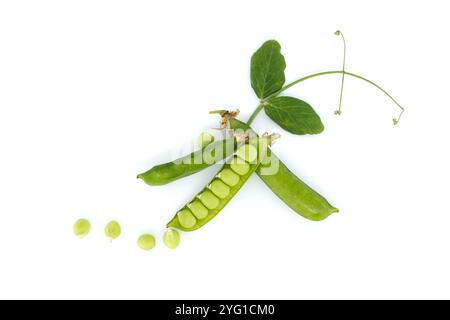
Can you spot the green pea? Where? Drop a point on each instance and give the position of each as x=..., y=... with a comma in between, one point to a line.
x=171, y=238
x=198, y=209
x=229, y=177
x=208, y=199
x=247, y=152
x=113, y=230
x=146, y=242
x=219, y=188
x=81, y=228
x=186, y=218
x=205, y=139
x=239, y=166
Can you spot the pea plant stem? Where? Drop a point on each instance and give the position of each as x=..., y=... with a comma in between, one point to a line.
x=260, y=106
x=255, y=113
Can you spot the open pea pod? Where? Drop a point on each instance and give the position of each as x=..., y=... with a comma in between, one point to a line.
x=222, y=188
x=288, y=187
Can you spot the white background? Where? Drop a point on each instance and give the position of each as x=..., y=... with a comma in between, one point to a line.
x=93, y=92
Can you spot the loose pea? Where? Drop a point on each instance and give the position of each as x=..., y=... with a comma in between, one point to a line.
x=146, y=242
x=205, y=139
x=113, y=230
x=81, y=228
x=239, y=166
x=198, y=209
x=229, y=177
x=171, y=238
x=247, y=152
x=208, y=199
x=186, y=218
x=219, y=188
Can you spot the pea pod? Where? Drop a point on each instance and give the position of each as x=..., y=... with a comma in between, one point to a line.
x=189, y=164
x=225, y=184
x=289, y=188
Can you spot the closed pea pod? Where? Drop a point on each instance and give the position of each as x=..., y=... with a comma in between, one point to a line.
x=225, y=184
x=189, y=164
x=289, y=188
x=295, y=193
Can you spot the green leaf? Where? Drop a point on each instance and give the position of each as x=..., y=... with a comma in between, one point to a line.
x=267, y=69
x=293, y=115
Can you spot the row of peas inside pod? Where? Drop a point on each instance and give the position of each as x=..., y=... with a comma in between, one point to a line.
x=225, y=184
